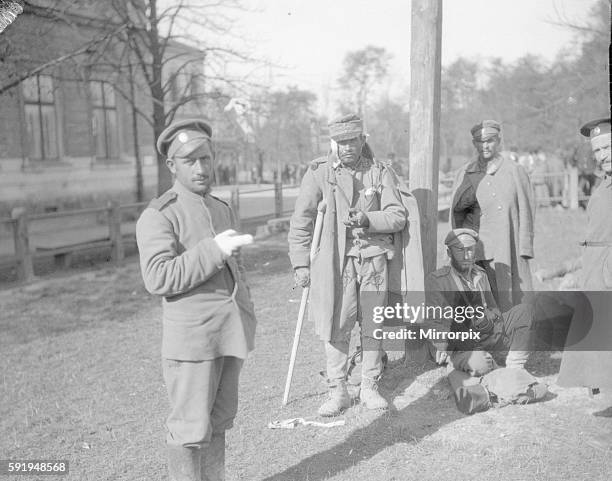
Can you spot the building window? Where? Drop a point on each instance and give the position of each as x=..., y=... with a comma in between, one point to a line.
x=41, y=124
x=104, y=120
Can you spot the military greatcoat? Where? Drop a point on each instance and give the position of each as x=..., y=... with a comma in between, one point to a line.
x=506, y=219
x=588, y=355
x=371, y=189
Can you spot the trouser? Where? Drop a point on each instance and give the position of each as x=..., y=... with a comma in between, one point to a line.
x=364, y=287
x=203, y=399
x=203, y=403
x=513, y=335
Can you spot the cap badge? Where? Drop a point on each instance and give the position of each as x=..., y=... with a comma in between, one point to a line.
x=596, y=131
x=183, y=137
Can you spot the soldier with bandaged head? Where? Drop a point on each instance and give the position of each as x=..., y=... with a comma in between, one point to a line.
x=349, y=274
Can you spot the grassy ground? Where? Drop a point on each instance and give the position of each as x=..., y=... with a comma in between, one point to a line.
x=81, y=380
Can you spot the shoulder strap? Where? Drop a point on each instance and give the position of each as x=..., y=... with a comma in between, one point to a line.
x=159, y=203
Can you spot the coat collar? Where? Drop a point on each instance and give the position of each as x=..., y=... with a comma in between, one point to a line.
x=475, y=274
x=362, y=163
x=181, y=190
x=491, y=167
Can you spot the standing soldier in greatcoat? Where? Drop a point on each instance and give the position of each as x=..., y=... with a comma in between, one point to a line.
x=588, y=356
x=188, y=255
x=493, y=196
x=349, y=273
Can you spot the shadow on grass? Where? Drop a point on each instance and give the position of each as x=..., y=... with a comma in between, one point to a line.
x=370, y=440
x=604, y=413
x=544, y=363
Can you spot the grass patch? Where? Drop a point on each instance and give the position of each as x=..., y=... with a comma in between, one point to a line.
x=81, y=380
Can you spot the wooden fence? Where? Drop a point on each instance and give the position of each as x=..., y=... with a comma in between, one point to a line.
x=558, y=187
x=112, y=236
x=62, y=249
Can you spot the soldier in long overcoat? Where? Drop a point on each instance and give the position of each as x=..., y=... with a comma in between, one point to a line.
x=349, y=275
x=493, y=195
x=588, y=353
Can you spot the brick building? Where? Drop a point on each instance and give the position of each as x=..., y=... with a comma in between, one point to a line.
x=66, y=133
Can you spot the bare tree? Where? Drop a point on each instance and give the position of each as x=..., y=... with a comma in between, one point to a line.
x=174, y=52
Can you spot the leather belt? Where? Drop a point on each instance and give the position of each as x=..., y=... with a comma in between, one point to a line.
x=595, y=244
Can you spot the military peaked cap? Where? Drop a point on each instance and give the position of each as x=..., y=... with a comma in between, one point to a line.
x=596, y=127
x=183, y=137
x=485, y=129
x=452, y=238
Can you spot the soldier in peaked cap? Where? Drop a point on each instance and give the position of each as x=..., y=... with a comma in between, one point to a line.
x=493, y=195
x=349, y=274
x=188, y=255
x=462, y=284
x=582, y=365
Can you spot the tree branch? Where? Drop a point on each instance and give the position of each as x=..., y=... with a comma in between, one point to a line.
x=81, y=50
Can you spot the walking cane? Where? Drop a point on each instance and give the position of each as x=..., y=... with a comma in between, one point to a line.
x=316, y=237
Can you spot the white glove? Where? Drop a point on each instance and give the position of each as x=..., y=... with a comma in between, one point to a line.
x=230, y=241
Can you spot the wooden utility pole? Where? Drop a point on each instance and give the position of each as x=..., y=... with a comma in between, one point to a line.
x=425, y=73
x=426, y=68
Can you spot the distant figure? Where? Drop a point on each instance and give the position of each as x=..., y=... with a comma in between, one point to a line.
x=527, y=161
x=555, y=179
x=584, y=160
x=538, y=177
x=232, y=174
x=493, y=196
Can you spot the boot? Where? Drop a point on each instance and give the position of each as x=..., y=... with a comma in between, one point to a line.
x=338, y=401
x=213, y=459
x=183, y=463
x=517, y=359
x=370, y=396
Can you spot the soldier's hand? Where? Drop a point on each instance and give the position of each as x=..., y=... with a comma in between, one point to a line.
x=569, y=282
x=357, y=218
x=541, y=275
x=441, y=357
x=302, y=276
x=230, y=241
x=442, y=354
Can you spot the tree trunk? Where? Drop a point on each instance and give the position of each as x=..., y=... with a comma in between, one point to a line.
x=164, y=177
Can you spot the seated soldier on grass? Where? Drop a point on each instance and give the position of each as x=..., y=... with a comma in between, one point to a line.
x=463, y=284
